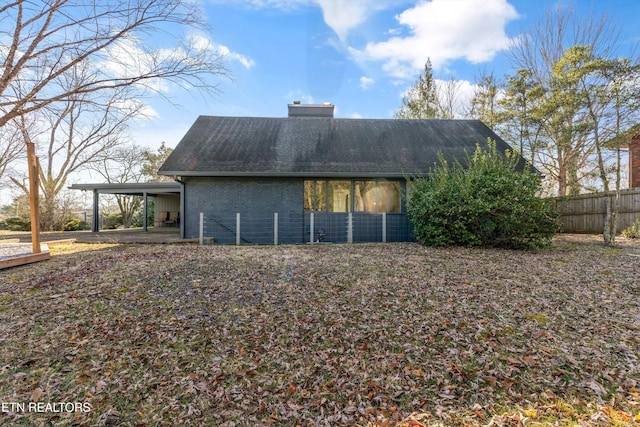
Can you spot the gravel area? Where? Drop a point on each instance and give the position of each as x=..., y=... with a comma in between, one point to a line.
x=14, y=250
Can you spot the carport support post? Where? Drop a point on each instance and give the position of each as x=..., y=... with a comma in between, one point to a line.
x=144, y=211
x=96, y=223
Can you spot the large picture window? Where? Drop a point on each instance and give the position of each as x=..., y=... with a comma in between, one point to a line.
x=372, y=196
x=339, y=196
x=315, y=195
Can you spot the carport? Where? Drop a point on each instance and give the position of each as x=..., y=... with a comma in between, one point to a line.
x=145, y=190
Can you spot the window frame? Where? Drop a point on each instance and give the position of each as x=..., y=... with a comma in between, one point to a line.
x=324, y=195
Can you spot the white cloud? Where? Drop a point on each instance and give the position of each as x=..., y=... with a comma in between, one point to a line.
x=366, y=82
x=203, y=43
x=355, y=116
x=442, y=30
x=140, y=109
x=342, y=16
x=126, y=58
x=234, y=56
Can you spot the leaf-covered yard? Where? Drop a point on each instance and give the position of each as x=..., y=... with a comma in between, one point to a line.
x=393, y=334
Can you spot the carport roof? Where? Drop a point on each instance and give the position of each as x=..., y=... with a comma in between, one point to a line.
x=131, y=188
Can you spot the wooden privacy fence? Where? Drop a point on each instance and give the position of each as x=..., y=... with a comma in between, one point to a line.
x=585, y=213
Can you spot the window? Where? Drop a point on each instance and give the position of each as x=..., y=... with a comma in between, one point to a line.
x=339, y=196
x=373, y=196
x=388, y=196
x=315, y=195
x=376, y=196
x=364, y=193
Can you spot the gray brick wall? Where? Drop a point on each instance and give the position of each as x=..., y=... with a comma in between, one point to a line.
x=256, y=199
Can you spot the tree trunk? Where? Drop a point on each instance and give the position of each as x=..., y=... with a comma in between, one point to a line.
x=562, y=178
x=608, y=218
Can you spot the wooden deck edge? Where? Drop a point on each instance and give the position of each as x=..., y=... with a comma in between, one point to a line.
x=26, y=259
x=3, y=241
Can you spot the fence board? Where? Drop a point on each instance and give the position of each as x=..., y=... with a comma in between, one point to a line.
x=585, y=213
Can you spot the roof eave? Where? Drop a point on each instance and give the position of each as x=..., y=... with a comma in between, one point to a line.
x=352, y=174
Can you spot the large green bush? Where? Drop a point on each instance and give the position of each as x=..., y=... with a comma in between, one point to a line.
x=17, y=224
x=485, y=202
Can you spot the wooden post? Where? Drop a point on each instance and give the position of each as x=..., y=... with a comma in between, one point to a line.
x=34, y=199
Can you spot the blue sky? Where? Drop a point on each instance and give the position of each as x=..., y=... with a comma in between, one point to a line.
x=361, y=55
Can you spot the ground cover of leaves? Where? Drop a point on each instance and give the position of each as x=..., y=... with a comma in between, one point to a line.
x=372, y=334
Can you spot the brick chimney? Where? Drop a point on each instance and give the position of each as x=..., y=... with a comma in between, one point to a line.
x=634, y=161
x=311, y=110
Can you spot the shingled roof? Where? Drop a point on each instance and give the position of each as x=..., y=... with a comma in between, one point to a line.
x=321, y=146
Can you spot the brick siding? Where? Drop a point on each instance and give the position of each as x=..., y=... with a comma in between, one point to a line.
x=256, y=199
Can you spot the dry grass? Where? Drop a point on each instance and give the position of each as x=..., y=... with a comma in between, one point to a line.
x=394, y=334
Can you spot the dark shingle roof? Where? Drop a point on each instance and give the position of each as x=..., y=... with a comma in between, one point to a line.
x=321, y=147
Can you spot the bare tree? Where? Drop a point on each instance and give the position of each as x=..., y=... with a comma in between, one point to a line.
x=484, y=104
x=11, y=147
x=72, y=134
x=41, y=42
x=119, y=165
x=448, y=97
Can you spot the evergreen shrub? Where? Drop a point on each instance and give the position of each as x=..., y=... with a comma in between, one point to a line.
x=486, y=202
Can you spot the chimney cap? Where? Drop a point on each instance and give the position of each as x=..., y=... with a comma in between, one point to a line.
x=298, y=109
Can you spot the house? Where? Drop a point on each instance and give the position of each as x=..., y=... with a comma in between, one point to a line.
x=309, y=176
x=629, y=141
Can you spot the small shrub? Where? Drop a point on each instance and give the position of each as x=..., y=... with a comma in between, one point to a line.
x=74, y=224
x=633, y=231
x=17, y=224
x=113, y=221
x=486, y=203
